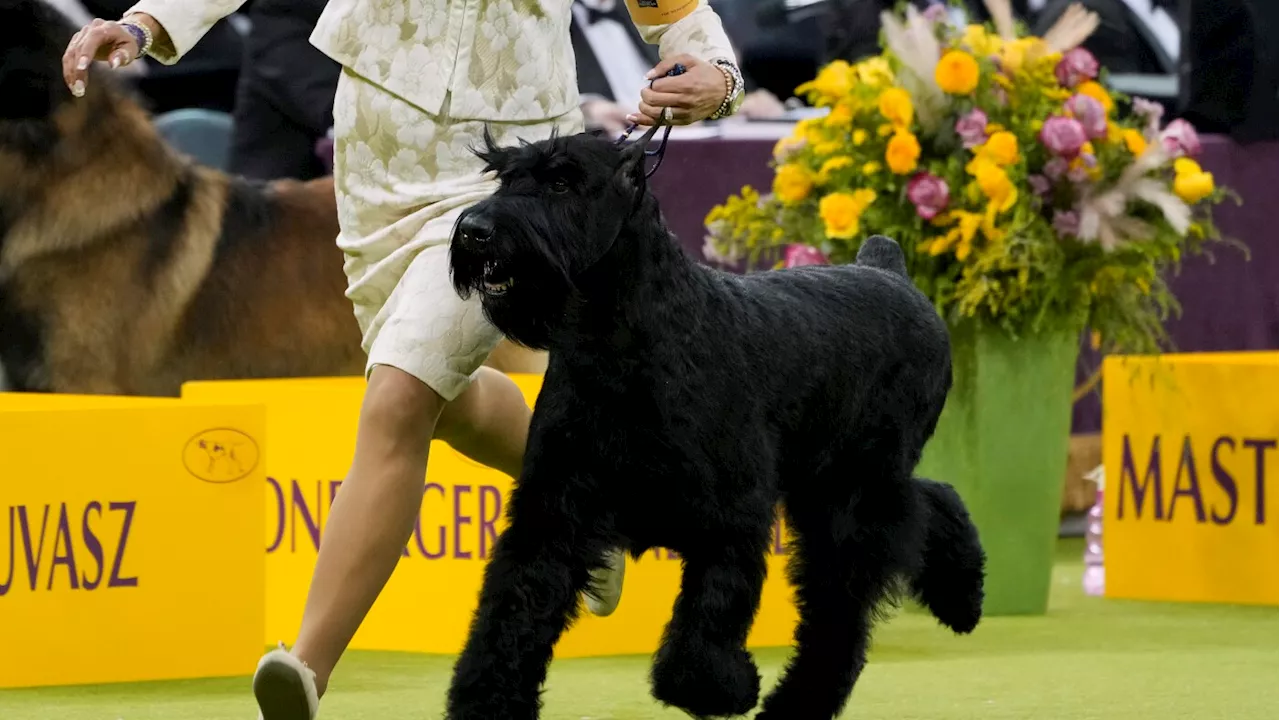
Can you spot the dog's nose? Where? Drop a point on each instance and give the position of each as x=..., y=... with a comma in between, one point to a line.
x=476, y=227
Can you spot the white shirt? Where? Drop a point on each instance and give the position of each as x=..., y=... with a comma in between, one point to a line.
x=615, y=51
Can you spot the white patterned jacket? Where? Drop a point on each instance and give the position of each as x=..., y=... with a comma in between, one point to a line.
x=498, y=60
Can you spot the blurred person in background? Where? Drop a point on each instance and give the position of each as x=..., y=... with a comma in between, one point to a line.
x=422, y=81
x=284, y=103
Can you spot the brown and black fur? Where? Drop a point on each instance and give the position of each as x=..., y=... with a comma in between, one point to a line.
x=125, y=268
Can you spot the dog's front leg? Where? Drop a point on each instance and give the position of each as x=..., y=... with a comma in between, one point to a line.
x=531, y=589
x=703, y=666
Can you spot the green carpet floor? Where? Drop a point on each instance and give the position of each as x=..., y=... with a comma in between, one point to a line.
x=1087, y=659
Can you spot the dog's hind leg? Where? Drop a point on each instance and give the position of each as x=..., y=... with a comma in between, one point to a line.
x=847, y=555
x=702, y=665
x=951, y=572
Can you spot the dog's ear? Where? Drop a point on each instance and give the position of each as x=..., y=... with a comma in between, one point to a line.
x=631, y=168
x=492, y=155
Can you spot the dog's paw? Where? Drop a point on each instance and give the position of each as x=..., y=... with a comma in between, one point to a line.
x=705, y=681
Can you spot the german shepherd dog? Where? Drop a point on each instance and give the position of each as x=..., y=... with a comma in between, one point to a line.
x=127, y=269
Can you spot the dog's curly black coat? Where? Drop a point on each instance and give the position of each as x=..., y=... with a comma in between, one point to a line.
x=680, y=407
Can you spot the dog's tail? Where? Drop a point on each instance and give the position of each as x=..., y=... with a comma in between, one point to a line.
x=881, y=252
x=950, y=574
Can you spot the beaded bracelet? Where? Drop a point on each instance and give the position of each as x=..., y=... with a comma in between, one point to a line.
x=141, y=34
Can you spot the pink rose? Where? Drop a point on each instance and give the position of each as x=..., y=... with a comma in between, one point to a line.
x=1063, y=136
x=1180, y=138
x=797, y=255
x=928, y=193
x=1040, y=184
x=972, y=128
x=1076, y=66
x=1090, y=114
x=1066, y=223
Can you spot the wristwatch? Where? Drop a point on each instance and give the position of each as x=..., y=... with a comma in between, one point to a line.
x=733, y=85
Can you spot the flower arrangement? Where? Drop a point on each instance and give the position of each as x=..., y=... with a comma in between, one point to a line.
x=1025, y=194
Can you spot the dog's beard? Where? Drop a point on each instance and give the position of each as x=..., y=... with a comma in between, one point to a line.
x=522, y=289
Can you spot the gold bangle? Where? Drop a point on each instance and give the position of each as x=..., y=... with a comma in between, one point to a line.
x=148, y=39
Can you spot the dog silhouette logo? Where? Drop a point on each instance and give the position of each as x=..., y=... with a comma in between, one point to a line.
x=221, y=455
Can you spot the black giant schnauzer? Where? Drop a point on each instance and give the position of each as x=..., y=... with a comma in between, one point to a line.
x=681, y=406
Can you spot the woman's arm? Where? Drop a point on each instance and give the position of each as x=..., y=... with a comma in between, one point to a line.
x=688, y=32
x=164, y=29
x=679, y=27
x=177, y=25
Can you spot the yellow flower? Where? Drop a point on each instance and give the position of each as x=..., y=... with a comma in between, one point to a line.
x=833, y=165
x=859, y=136
x=1134, y=141
x=1025, y=53
x=957, y=73
x=1001, y=148
x=832, y=83
x=1092, y=89
x=960, y=237
x=870, y=168
x=792, y=183
x=875, y=72
x=981, y=42
x=994, y=183
x=841, y=211
x=810, y=129
x=840, y=116
x=902, y=153
x=884, y=130
x=1190, y=182
x=830, y=147
x=1114, y=134
x=1185, y=165
x=895, y=106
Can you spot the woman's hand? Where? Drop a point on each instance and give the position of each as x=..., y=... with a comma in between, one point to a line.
x=99, y=40
x=693, y=96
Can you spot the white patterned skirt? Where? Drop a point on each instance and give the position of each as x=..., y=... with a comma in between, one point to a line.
x=403, y=176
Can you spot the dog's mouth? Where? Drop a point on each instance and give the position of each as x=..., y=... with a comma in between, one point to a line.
x=497, y=280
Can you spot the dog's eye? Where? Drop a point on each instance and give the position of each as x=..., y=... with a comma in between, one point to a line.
x=559, y=186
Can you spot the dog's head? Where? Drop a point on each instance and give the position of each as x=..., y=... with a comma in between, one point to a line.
x=33, y=37
x=560, y=205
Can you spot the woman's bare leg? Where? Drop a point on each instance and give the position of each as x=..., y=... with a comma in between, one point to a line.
x=372, y=516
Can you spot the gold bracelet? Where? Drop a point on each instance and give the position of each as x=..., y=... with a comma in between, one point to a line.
x=147, y=39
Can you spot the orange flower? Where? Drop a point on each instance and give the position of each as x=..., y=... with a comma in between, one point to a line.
x=902, y=153
x=957, y=73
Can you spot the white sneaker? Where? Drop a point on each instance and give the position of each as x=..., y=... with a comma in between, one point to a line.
x=606, y=585
x=285, y=687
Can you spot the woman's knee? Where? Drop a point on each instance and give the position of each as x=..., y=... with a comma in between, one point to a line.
x=400, y=407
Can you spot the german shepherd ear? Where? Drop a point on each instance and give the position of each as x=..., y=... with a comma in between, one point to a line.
x=33, y=37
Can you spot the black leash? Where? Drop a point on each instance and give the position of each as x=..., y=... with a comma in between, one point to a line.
x=666, y=131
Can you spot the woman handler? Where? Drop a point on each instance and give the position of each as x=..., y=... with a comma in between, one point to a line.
x=420, y=80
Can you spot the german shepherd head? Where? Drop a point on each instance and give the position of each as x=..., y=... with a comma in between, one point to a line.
x=127, y=269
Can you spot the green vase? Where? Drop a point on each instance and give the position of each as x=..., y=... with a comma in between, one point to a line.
x=1002, y=442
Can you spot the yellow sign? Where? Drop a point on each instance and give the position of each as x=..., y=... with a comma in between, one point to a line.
x=119, y=560
x=660, y=12
x=427, y=604
x=1190, y=448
